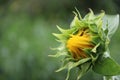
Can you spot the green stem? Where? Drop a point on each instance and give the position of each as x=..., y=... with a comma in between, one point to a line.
x=108, y=78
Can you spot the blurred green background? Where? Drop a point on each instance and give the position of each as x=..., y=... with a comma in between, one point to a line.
x=26, y=28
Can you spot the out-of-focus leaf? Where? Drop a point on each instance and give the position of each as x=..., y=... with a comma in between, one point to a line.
x=111, y=22
x=107, y=66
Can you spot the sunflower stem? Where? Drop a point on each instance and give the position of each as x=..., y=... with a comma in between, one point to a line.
x=110, y=78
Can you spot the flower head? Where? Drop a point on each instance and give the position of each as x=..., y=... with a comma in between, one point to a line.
x=78, y=42
x=84, y=43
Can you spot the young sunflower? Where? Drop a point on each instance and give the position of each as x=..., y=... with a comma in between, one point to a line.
x=83, y=43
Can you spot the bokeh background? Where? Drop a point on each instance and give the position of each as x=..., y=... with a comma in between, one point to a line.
x=26, y=28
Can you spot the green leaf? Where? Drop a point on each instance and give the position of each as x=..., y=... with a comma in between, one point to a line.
x=107, y=66
x=111, y=22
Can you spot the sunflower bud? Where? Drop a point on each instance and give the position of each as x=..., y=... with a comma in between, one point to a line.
x=83, y=43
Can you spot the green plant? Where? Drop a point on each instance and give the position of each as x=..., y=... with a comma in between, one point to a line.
x=85, y=45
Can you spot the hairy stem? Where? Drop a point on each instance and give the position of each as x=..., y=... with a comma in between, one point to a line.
x=111, y=78
x=108, y=78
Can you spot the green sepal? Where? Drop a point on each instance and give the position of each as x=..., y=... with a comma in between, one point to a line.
x=61, y=51
x=94, y=50
x=95, y=39
x=65, y=34
x=76, y=23
x=59, y=54
x=68, y=31
x=83, y=69
x=61, y=37
x=93, y=28
x=87, y=50
x=106, y=66
x=98, y=19
x=70, y=65
x=101, y=48
x=89, y=16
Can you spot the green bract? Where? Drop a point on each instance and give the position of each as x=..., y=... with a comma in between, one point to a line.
x=101, y=27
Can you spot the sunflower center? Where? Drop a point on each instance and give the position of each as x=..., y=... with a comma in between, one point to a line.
x=78, y=42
